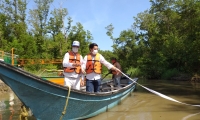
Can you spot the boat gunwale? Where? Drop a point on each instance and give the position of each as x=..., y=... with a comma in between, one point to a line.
x=40, y=79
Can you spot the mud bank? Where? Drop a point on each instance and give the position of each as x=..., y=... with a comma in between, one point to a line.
x=4, y=88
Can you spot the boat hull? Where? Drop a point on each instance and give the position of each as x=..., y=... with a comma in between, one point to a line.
x=47, y=100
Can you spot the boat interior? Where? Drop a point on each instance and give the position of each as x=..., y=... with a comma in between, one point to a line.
x=109, y=85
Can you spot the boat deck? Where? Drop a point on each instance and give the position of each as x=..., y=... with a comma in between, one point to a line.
x=105, y=87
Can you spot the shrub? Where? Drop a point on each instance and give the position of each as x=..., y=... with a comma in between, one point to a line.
x=169, y=74
x=134, y=72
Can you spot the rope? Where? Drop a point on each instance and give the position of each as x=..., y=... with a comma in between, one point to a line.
x=157, y=93
x=66, y=103
x=24, y=114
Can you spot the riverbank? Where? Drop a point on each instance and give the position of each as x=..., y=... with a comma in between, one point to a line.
x=4, y=88
x=185, y=77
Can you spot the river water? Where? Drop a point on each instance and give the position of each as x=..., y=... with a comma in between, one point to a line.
x=141, y=105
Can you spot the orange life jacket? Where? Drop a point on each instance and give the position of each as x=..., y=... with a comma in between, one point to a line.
x=73, y=58
x=93, y=65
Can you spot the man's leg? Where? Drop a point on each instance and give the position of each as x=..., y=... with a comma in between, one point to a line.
x=89, y=85
x=68, y=82
x=115, y=81
x=97, y=84
x=118, y=81
x=76, y=84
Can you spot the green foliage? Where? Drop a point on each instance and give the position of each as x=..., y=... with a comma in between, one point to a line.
x=84, y=37
x=39, y=69
x=46, y=35
x=166, y=75
x=134, y=72
x=33, y=68
x=166, y=39
x=124, y=47
x=107, y=55
x=162, y=41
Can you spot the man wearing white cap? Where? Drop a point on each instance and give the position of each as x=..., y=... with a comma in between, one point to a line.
x=72, y=66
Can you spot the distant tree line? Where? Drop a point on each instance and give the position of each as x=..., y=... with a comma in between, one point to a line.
x=163, y=41
x=39, y=33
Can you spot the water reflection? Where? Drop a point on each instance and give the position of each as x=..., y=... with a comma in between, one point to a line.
x=9, y=106
x=11, y=103
x=142, y=105
x=2, y=107
x=196, y=85
x=189, y=116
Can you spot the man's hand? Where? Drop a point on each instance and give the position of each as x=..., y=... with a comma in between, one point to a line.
x=83, y=71
x=75, y=64
x=82, y=83
x=116, y=69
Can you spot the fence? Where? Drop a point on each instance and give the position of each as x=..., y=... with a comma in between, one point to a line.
x=7, y=57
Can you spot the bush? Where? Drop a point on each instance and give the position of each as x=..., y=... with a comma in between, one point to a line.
x=134, y=72
x=38, y=69
x=169, y=74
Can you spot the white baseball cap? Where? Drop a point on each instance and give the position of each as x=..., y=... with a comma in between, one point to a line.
x=76, y=43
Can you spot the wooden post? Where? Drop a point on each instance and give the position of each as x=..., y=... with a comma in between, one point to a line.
x=12, y=56
x=2, y=55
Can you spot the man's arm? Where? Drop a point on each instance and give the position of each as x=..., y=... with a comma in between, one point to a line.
x=106, y=63
x=83, y=64
x=66, y=61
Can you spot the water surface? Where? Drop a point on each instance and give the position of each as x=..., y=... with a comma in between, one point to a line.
x=141, y=105
x=144, y=105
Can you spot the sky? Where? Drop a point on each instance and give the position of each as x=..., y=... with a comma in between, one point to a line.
x=95, y=15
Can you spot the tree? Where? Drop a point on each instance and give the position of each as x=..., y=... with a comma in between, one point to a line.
x=84, y=37
x=123, y=47
x=57, y=29
x=14, y=29
x=38, y=21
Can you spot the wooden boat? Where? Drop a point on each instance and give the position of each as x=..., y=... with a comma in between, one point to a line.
x=56, y=79
x=47, y=99
x=55, y=76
